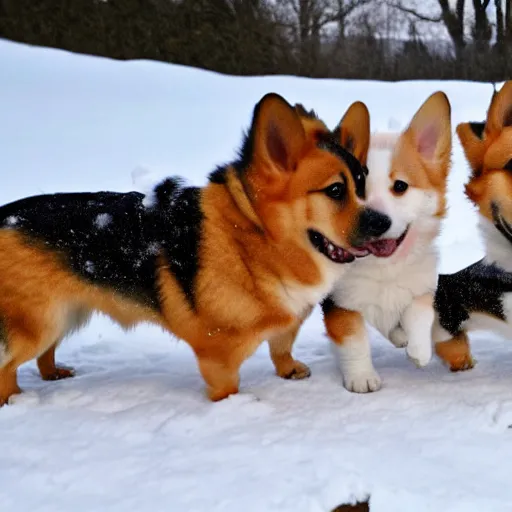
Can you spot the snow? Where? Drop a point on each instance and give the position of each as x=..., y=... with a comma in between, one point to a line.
x=133, y=430
x=102, y=220
x=89, y=267
x=12, y=220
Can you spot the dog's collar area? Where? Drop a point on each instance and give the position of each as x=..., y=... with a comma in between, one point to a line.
x=501, y=224
x=385, y=247
x=332, y=251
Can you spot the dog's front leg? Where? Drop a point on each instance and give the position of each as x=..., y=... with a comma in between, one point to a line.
x=351, y=347
x=280, y=347
x=417, y=321
x=220, y=358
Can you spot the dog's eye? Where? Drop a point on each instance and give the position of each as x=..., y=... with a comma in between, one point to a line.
x=336, y=191
x=399, y=187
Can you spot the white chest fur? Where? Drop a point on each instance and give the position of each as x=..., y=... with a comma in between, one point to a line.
x=382, y=292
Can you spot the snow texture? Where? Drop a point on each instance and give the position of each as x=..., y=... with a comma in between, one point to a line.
x=11, y=220
x=133, y=430
x=103, y=220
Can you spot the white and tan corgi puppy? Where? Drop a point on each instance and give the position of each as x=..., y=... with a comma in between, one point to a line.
x=393, y=287
x=479, y=297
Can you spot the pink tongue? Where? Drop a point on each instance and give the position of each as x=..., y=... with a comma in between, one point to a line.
x=382, y=248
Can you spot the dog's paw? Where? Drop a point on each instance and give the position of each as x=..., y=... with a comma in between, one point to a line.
x=59, y=373
x=420, y=354
x=398, y=337
x=294, y=371
x=364, y=382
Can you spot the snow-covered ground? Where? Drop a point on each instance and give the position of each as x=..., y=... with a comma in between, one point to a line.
x=133, y=431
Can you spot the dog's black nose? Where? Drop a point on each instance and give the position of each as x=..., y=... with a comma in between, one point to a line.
x=373, y=223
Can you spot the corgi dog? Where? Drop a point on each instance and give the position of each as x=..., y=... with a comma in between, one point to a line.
x=393, y=288
x=222, y=267
x=479, y=297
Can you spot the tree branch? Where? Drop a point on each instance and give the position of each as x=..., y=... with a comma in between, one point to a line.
x=419, y=16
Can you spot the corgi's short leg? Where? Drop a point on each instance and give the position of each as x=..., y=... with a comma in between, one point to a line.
x=8, y=384
x=281, y=353
x=21, y=348
x=76, y=318
x=49, y=370
x=219, y=365
x=351, y=347
x=456, y=353
x=417, y=321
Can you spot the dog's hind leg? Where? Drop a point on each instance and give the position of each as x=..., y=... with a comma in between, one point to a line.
x=32, y=333
x=281, y=353
x=48, y=369
x=453, y=349
x=46, y=361
x=21, y=347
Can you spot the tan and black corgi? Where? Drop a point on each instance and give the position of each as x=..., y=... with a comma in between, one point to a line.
x=222, y=267
x=479, y=297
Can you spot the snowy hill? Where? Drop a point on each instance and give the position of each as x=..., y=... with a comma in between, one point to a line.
x=133, y=431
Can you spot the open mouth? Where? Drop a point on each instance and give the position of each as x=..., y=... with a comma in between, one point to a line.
x=334, y=252
x=384, y=247
x=501, y=224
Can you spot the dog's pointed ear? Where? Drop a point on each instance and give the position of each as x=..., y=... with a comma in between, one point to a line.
x=499, y=115
x=471, y=139
x=278, y=137
x=431, y=129
x=353, y=131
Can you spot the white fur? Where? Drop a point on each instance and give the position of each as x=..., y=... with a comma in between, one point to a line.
x=497, y=247
x=417, y=321
x=355, y=363
x=390, y=292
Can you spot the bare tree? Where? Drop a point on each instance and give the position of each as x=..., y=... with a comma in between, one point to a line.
x=308, y=20
x=503, y=25
x=343, y=9
x=481, y=30
x=453, y=19
x=508, y=20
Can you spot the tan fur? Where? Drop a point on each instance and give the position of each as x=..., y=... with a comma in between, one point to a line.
x=420, y=171
x=456, y=353
x=355, y=131
x=341, y=323
x=256, y=265
x=487, y=156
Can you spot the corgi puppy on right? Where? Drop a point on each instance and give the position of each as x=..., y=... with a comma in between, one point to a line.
x=479, y=297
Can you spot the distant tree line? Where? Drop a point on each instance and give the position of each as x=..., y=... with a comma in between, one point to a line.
x=367, y=39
